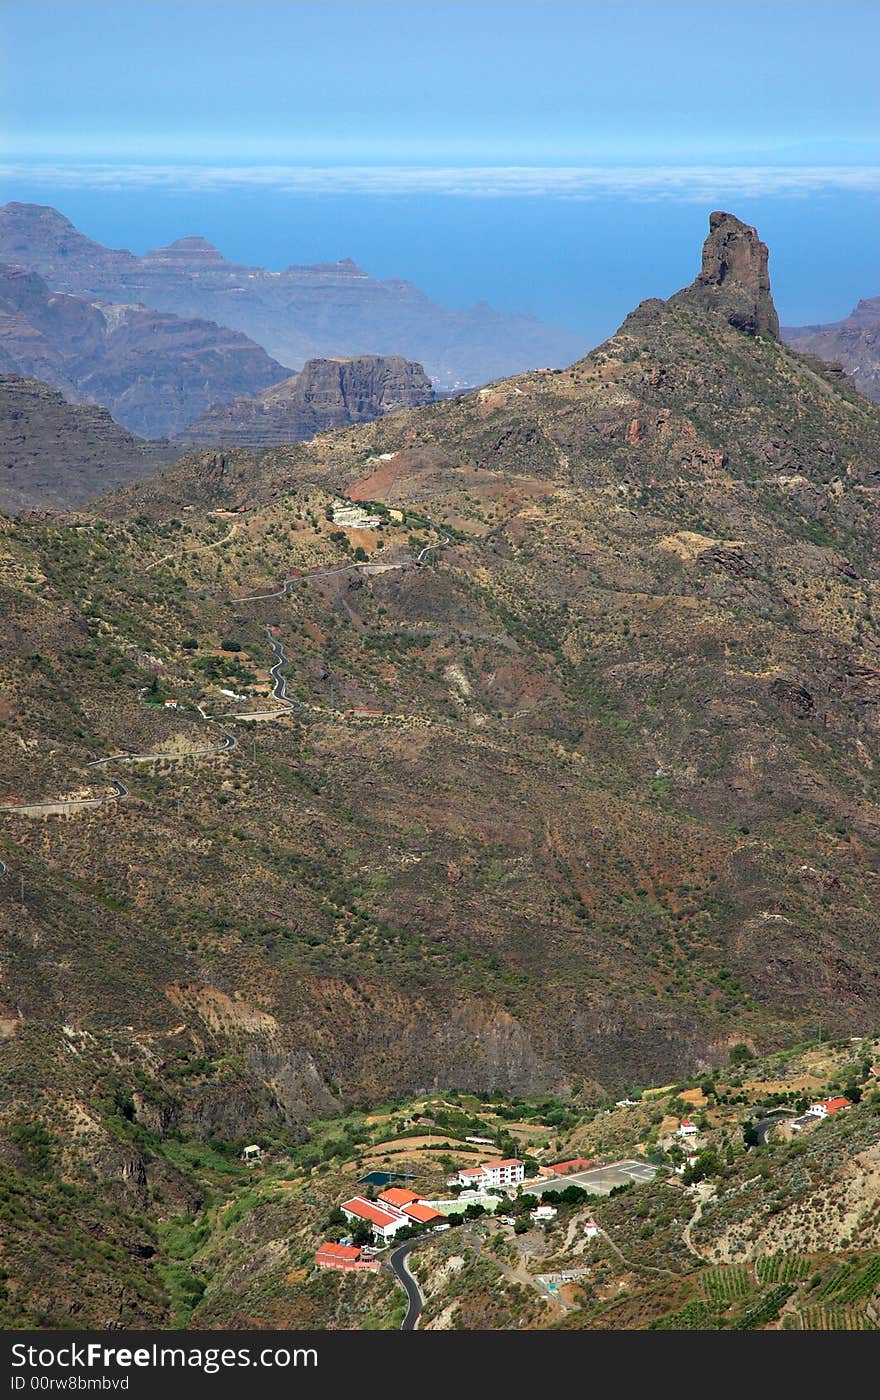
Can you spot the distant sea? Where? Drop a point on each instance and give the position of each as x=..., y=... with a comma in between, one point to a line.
x=579, y=264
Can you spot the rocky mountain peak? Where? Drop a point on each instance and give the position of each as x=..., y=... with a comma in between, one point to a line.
x=194, y=249
x=735, y=278
x=38, y=231
x=327, y=393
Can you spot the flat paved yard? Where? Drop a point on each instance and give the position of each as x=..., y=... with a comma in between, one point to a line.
x=598, y=1180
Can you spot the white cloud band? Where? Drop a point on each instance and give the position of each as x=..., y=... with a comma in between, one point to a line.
x=682, y=183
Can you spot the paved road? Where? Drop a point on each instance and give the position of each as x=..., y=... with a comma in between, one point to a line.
x=290, y=583
x=4, y=869
x=763, y=1126
x=279, y=682
x=119, y=788
x=422, y=556
x=415, y=1301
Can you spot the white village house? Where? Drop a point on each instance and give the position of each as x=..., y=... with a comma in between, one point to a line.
x=827, y=1107
x=507, y=1171
x=542, y=1214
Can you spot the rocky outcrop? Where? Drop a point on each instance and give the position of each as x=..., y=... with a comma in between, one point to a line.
x=734, y=279
x=326, y=394
x=853, y=344
x=298, y=314
x=153, y=370
x=57, y=454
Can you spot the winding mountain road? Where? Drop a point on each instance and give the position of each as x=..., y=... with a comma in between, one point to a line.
x=279, y=681
x=415, y=1300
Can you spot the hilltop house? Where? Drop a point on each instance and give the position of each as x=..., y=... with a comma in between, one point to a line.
x=543, y=1214
x=687, y=1129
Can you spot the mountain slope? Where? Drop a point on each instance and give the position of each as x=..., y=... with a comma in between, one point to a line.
x=853, y=343
x=153, y=371
x=588, y=794
x=300, y=313
x=55, y=455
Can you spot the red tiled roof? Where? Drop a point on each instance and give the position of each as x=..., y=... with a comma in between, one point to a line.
x=421, y=1213
x=501, y=1162
x=368, y=1210
x=574, y=1164
x=398, y=1196
x=339, y=1251
x=835, y=1105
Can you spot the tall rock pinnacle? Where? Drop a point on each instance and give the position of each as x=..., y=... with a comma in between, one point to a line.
x=734, y=279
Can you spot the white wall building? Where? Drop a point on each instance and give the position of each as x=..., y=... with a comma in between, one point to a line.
x=503, y=1172
x=384, y=1224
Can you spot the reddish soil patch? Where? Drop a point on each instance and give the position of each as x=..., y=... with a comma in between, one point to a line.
x=377, y=486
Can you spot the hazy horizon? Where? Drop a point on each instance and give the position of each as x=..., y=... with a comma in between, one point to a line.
x=549, y=159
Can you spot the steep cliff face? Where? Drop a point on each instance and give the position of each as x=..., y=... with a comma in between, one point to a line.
x=154, y=371
x=735, y=279
x=326, y=394
x=56, y=454
x=299, y=313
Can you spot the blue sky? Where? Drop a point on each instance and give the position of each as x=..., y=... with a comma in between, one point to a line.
x=558, y=158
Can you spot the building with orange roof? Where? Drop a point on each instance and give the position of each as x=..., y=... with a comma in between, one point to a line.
x=421, y=1214
x=828, y=1107
x=347, y=1257
x=398, y=1197
x=384, y=1223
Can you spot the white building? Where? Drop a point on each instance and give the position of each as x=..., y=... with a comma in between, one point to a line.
x=542, y=1214
x=591, y=1229
x=353, y=517
x=828, y=1106
x=384, y=1224
x=687, y=1129
x=507, y=1171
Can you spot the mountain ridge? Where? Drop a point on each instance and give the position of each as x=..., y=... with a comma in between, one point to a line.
x=153, y=371
x=300, y=313
x=853, y=343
